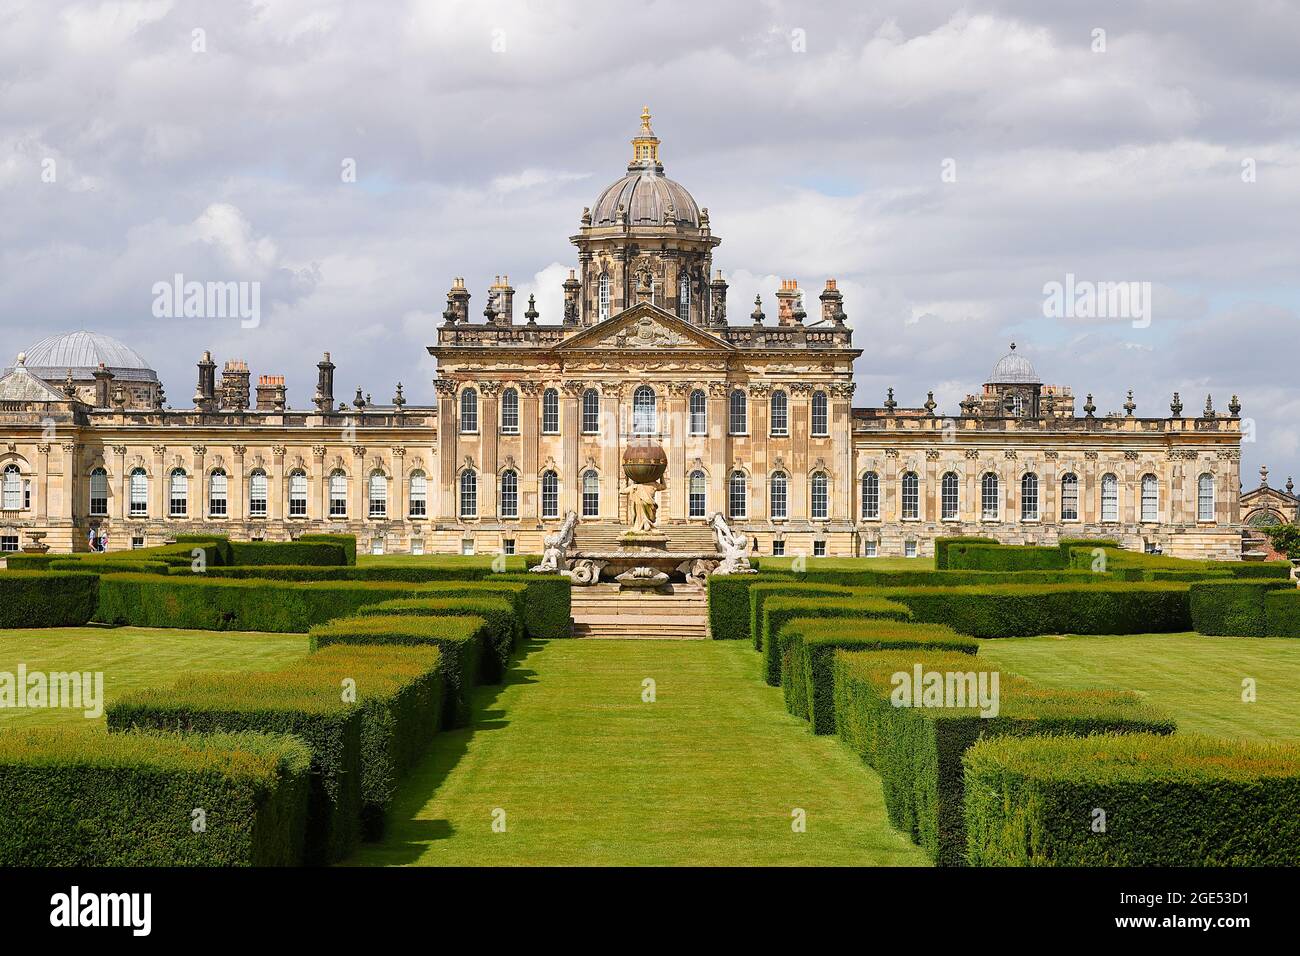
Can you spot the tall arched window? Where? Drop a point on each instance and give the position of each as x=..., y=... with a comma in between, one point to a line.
x=738, y=423
x=509, y=494
x=99, y=492
x=13, y=488
x=780, y=413
x=139, y=492
x=590, y=495
x=338, y=494
x=870, y=496
x=949, y=498
x=1150, y=498
x=684, y=298
x=990, y=507
x=699, y=412
x=1205, y=497
x=1109, y=498
x=550, y=494
x=378, y=496
x=738, y=495
x=418, y=507
x=178, y=494
x=510, y=411
x=911, y=495
x=297, y=493
x=1029, y=497
x=468, y=494
x=590, y=412
x=778, y=496
x=697, y=496
x=468, y=410
x=821, y=420
x=645, y=418
x=820, y=496
x=217, y=494
x=602, y=298
x=257, y=494
x=1070, y=497
x=550, y=412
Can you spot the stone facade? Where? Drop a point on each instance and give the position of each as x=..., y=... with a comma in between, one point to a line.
x=531, y=420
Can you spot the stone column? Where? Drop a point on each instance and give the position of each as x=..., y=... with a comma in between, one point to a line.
x=611, y=466
x=841, y=411
x=678, y=395
x=530, y=432
x=448, y=424
x=399, y=493
x=276, y=492
x=800, y=427
x=357, y=510
x=719, y=447
x=318, y=503
x=570, y=443
x=161, y=483
x=41, y=482
x=198, y=503
x=760, y=453
x=68, y=506
x=489, y=425
x=119, y=483
x=237, y=503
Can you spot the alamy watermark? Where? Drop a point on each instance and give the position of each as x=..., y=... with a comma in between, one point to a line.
x=1084, y=299
x=960, y=689
x=179, y=299
x=73, y=690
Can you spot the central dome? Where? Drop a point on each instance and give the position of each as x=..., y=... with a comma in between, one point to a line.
x=82, y=352
x=645, y=196
x=1013, y=369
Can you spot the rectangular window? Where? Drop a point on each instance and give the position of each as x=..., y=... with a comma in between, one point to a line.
x=550, y=497
x=911, y=496
x=177, y=505
x=419, y=496
x=1109, y=498
x=871, y=549
x=139, y=494
x=949, y=497
x=466, y=545
x=1070, y=498
x=1150, y=500
x=376, y=545
x=8, y=543
x=819, y=549
x=257, y=495
x=27, y=494
x=870, y=496
x=778, y=549
x=417, y=546
x=909, y=549
x=507, y=546
x=137, y=541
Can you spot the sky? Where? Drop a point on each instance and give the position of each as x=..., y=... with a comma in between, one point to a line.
x=944, y=162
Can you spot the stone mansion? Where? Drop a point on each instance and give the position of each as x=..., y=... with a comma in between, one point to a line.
x=529, y=421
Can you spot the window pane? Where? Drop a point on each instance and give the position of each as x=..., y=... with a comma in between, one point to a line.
x=99, y=492
x=1029, y=498
x=911, y=495
x=820, y=502
x=780, y=414
x=699, y=412
x=139, y=492
x=590, y=411
x=257, y=494
x=178, y=501
x=739, y=423
x=1205, y=498
x=948, y=495
x=469, y=410
x=468, y=495
x=550, y=495
x=338, y=495
x=820, y=415
x=510, y=411
x=509, y=494
x=738, y=496
x=550, y=411
x=779, y=495
x=590, y=495
x=217, y=494
x=989, y=497
x=697, y=494
x=378, y=495
x=1150, y=498
x=1109, y=498
x=1070, y=498
x=644, y=418
x=870, y=496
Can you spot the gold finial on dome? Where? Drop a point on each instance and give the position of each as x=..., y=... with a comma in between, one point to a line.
x=645, y=145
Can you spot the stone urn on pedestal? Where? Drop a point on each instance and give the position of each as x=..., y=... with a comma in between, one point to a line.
x=644, y=464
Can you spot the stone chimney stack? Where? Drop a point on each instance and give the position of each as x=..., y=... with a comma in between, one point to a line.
x=103, y=386
x=718, y=302
x=324, y=384
x=270, y=393
x=205, y=395
x=832, y=300
x=786, y=300
x=571, y=289
x=234, y=385
x=458, y=299
x=503, y=301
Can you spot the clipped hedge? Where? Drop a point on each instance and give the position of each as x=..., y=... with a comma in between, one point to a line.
x=225, y=553
x=348, y=542
x=289, y=701
x=76, y=798
x=462, y=641
x=857, y=606
x=760, y=592
x=1282, y=611
x=499, y=618
x=1234, y=608
x=1011, y=610
x=548, y=602
x=808, y=646
x=318, y=554
x=942, y=544
x=47, y=598
x=400, y=693
x=124, y=566
x=917, y=750
x=994, y=557
x=728, y=602
x=1169, y=801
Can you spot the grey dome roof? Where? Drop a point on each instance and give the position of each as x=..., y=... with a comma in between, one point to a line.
x=83, y=351
x=1013, y=369
x=648, y=196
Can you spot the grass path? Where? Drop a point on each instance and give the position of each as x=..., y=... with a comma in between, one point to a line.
x=134, y=657
x=589, y=774
x=1195, y=678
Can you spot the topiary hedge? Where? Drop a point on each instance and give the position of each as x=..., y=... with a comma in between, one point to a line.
x=125, y=566
x=316, y=554
x=348, y=542
x=996, y=557
x=941, y=546
x=808, y=646
x=1010, y=610
x=917, y=750
x=760, y=592
x=1282, y=613
x=47, y=598
x=728, y=602
x=858, y=606
x=1233, y=607
x=76, y=798
x=282, y=702
x=225, y=553
x=462, y=641
x=1168, y=801
x=500, y=623
x=548, y=602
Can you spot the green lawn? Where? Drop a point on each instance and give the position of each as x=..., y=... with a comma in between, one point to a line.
x=133, y=657
x=1196, y=679
x=588, y=774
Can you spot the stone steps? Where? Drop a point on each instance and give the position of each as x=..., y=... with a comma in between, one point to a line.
x=603, y=611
